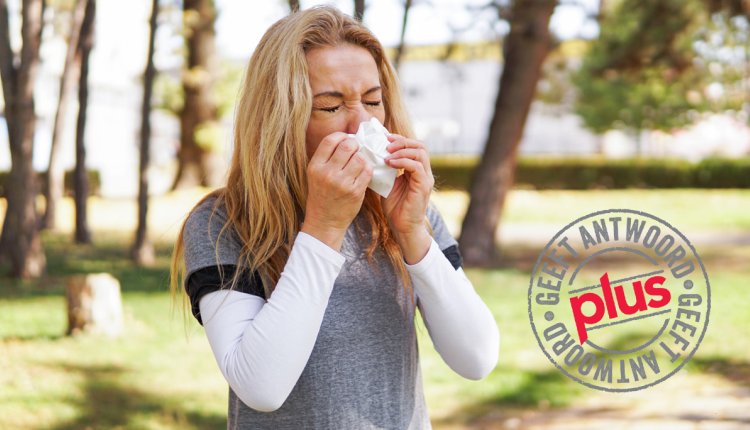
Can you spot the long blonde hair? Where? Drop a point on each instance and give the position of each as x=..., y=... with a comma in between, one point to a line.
x=266, y=190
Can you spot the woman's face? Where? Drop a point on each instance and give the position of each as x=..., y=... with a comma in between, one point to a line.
x=346, y=91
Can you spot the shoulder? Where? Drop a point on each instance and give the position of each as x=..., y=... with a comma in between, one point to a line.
x=206, y=212
x=208, y=239
x=439, y=229
x=433, y=214
x=204, y=223
x=443, y=236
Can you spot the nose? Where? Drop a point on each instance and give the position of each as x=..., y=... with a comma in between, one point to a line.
x=356, y=115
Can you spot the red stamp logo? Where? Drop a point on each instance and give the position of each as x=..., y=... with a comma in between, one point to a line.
x=619, y=300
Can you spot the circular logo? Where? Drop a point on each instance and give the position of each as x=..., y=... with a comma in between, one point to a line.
x=619, y=300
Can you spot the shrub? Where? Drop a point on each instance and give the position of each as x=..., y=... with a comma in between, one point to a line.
x=596, y=173
x=94, y=182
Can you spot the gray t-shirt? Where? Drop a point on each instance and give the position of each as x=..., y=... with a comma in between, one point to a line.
x=363, y=372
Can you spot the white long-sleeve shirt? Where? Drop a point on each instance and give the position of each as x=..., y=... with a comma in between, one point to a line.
x=262, y=367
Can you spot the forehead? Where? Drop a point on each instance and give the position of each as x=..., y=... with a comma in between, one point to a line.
x=343, y=68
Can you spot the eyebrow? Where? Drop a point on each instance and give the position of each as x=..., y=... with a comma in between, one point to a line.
x=340, y=95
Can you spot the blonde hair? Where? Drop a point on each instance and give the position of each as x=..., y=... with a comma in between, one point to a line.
x=266, y=190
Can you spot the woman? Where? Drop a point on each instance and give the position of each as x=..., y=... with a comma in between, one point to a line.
x=305, y=281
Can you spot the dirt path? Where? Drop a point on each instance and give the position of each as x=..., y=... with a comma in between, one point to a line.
x=685, y=402
x=532, y=234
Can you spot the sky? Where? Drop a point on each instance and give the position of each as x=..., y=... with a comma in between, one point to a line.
x=122, y=28
x=242, y=23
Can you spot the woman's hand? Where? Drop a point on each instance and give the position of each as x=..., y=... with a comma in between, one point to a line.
x=406, y=205
x=337, y=178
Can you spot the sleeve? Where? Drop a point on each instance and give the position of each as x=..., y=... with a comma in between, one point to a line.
x=262, y=347
x=211, y=253
x=213, y=278
x=460, y=324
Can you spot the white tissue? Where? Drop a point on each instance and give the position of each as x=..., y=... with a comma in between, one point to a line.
x=372, y=140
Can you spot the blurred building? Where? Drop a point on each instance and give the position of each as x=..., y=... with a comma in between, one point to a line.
x=451, y=105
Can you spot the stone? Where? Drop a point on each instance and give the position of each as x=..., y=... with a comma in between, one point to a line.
x=94, y=304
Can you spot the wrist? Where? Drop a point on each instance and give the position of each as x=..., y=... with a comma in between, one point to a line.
x=414, y=245
x=331, y=236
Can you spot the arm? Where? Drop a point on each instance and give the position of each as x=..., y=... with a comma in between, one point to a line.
x=262, y=347
x=460, y=325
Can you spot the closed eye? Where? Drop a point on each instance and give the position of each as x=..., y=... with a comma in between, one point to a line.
x=330, y=109
x=333, y=109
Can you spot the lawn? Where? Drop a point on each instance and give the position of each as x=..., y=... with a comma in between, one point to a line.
x=161, y=374
x=723, y=210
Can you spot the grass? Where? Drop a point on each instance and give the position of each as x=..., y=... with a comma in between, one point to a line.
x=697, y=209
x=157, y=376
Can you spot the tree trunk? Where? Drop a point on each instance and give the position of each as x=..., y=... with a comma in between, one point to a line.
x=94, y=304
x=359, y=10
x=20, y=242
x=80, y=179
x=526, y=47
x=143, y=251
x=53, y=191
x=198, y=162
x=401, y=42
x=293, y=5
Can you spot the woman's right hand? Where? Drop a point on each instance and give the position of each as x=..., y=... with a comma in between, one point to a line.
x=337, y=178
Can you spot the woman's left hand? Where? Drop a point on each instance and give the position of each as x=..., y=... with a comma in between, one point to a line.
x=406, y=205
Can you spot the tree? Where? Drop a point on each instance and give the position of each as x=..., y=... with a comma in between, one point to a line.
x=198, y=162
x=638, y=79
x=659, y=79
x=20, y=242
x=526, y=47
x=730, y=22
x=293, y=5
x=359, y=10
x=402, y=38
x=143, y=251
x=53, y=190
x=80, y=178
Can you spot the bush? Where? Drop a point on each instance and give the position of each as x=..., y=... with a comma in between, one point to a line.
x=597, y=173
x=723, y=173
x=41, y=180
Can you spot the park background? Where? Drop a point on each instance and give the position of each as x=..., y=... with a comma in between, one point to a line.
x=638, y=104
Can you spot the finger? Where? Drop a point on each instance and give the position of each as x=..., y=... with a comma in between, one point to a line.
x=354, y=166
x=344, y=151
x=327, y=146
x=401, y=142
x=412, y=166
x=364, y=177
x=412, y=153
x=393, y=137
